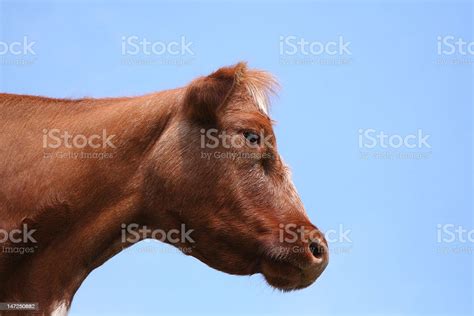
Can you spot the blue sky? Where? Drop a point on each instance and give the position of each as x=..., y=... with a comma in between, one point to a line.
x=389, y=201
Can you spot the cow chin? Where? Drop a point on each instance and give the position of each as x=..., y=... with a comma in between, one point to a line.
x=286, y=276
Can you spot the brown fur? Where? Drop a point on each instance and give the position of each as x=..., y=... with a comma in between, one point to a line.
x=155, y=178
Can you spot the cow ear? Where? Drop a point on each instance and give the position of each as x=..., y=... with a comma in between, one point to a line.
x=206, y=95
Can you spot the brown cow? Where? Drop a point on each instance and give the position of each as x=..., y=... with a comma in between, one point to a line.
x=74, y=173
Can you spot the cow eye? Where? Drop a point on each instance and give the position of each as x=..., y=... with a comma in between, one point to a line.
x=252, y=137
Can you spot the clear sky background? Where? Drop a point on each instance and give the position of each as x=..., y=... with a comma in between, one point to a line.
x=390, y=81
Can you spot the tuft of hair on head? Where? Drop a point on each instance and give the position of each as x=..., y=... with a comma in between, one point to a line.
x=205, y=95
x=260, y=85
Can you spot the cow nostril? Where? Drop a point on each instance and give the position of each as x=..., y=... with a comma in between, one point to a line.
x=317, y=250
